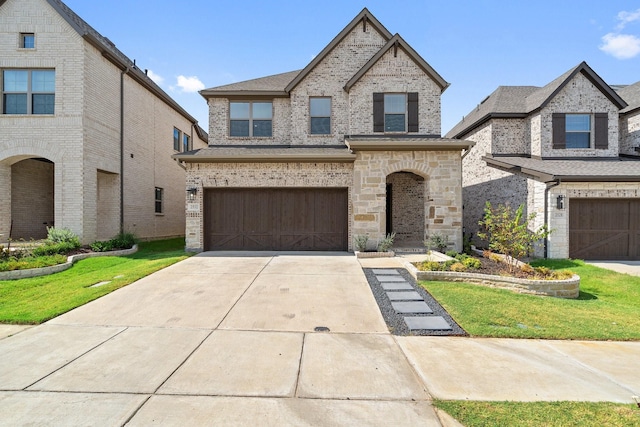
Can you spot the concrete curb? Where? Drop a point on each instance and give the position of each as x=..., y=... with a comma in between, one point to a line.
x=44, y=271
x=569, y=288
x=388, y=254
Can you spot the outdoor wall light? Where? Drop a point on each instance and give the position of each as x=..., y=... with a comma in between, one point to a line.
x=191, y=193
x=560, y=202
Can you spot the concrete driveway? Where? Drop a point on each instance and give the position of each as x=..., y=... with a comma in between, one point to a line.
x=231, y=339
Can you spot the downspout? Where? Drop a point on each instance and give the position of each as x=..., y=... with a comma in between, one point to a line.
x=125, y=71
x=546, y=214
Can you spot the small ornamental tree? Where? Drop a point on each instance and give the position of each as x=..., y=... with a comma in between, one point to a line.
x=507, y=232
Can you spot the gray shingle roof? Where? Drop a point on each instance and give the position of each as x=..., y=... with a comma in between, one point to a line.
x=615, y=169
x=519, y=101
x=631, y=94
x=274, y=83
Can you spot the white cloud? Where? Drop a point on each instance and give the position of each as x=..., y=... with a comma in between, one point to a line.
x=155, y=77
x=190, y=84
x=621, y=46
x=627, y=17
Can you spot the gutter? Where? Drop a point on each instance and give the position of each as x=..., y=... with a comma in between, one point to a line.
x=122, y=73
x=546, y=214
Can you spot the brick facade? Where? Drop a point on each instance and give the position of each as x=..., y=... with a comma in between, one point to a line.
x=82, y=138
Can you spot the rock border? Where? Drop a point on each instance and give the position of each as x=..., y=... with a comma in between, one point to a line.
x=388, y=254
x=45, y=271
x=568, y=288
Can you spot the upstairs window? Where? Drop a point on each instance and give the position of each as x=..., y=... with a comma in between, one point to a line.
x=186, y=143
x=320, y=114
x=395, y=112
x=176, y=139
x=580, y=130
x=251, y=119
x=27, y=41
x=28, y=91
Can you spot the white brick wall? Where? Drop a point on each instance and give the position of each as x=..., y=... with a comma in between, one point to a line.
x=630, y=133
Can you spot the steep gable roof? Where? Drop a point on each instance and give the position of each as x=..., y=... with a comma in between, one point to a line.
x=366, y=17
x=397, y=42
x=271, y=85
x=520, y=101
x=631, y=95
x=114, y=55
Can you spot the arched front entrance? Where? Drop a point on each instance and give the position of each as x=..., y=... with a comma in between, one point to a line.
x=405, y=209
x=32, y=198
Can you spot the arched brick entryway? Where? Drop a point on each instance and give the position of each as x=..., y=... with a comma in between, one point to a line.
x=405, y=208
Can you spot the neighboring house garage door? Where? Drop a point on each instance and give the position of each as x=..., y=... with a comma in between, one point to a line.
x=298, y=219
x=604, y=229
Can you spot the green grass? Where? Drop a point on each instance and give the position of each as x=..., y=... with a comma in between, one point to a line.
x=548, y=414
x=607, y=308
x=35, y=300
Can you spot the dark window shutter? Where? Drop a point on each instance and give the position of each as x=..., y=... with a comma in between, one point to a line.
x=602, y=130
x=559, y=130
x=412, y=109
x=378, y=112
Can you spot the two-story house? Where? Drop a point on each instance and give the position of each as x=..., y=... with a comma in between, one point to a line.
x=306, y=160
x=565, y=151
x=86, y=138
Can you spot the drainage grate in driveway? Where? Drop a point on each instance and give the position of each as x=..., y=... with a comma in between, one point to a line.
x=408, y=309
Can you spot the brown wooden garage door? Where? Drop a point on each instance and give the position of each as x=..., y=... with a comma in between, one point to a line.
x=605, y=229
x=300, y=219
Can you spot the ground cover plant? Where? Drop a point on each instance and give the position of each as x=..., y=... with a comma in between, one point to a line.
x=35, y=300
x=534, y=414
x=606, y=309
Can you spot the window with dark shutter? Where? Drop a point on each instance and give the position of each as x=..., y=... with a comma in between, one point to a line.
x=412, y=111
x=559, y=132
x=602, y=130
x=378, y=112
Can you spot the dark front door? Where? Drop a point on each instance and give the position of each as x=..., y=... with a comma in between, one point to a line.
x=303, y=219
x=604, y=229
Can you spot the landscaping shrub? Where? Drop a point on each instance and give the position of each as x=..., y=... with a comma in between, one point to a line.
x=360, y=242
x=452, y=253
x=62, y=235
x=61, y=248
x=471, y=262
x=123, y=241
x=438, y=241
x=430, y=266
x=25, y=263
x=386, y=243
x=102, y=246
x=458, y=267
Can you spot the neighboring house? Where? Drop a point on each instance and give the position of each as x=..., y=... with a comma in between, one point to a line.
x=86, y=137
x=567, y=151
x=306, y=160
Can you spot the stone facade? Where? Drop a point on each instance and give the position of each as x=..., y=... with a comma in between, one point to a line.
x=82, y=137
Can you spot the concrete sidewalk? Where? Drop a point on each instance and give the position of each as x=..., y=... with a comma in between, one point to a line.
x=231, y=339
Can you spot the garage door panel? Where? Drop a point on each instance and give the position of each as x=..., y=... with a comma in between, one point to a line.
x=276, y=219
x=604, y=229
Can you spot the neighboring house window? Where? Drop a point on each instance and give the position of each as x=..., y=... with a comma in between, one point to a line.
x=580, y=130
x=159, y=194
x=28, y=91
x=176, y=139
x=186, y=142
x=395, y=112
x=320, y=113
x=27, y=41
x=250, y=119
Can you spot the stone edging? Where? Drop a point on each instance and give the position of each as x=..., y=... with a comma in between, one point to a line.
x=569, y=288
x=44, y=271
x=388, y=254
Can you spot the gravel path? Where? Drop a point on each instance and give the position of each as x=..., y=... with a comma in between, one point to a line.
x=395, y=321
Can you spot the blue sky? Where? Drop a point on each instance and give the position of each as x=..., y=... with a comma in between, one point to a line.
x=475, y=45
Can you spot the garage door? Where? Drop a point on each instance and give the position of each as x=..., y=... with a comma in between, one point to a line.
x=299, y=219
x=605, y=229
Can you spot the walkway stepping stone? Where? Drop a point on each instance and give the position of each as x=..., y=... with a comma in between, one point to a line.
x=405, y=296
x=385, y=271
x=383, y=279
x=418, y=307
x=433, y=323
x=396, y=286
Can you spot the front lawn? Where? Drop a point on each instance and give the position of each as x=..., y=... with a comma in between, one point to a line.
x=548, y=414
x=35, y=300
x=607, y=308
